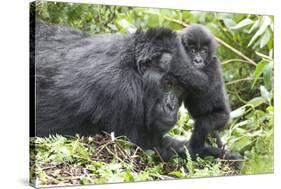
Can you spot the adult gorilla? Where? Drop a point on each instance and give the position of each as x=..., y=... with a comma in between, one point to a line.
x=87, y=84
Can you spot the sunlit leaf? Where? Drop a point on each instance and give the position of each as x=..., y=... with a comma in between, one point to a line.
x=243, y=23
x=267, y=75
x=238, y=112
x=263, y=56
x=265, y=38
x=177, y=174
x=266, y=22
x=230, y=23
x=254, y=26
x=256, y=101
x=241, y=143
x=265, y=94
x=258, y=71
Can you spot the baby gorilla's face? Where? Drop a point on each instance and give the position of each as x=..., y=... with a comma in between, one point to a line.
x=198, y=54
x=199, y=44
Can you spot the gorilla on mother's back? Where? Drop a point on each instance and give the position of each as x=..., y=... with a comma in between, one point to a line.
x=87, y=84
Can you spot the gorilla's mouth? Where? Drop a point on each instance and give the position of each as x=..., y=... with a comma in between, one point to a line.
x=199, y=64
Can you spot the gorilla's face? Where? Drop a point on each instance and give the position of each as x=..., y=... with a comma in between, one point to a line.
x=198, y=54
x=199, y=44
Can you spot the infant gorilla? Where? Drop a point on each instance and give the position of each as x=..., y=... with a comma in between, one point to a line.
x=206, y=102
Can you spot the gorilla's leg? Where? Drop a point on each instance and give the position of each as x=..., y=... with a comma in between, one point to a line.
x=205, y=125
x=216, y=135
x=208, y=150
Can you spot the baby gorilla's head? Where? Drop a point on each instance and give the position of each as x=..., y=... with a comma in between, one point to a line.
x=199, y=44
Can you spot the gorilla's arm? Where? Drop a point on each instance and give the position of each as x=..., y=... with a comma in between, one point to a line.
x=190, y=77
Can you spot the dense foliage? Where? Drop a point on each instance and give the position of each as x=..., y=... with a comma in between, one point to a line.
x=246, y=52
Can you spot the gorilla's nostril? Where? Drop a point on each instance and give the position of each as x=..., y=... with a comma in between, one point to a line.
x=197, y=60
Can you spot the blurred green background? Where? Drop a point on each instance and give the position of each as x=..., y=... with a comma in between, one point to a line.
x=246, y=53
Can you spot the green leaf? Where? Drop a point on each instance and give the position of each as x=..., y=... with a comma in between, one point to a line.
x=238, y=112
x=85, y=180
x=266, y=22
x=128, y=177
x=267, y=75
x=259, y=70
x=241, y=142
x=178, y=174
x=229, y=22
x=265, y=94
x=125, y=25
x=264, y=56
x=243, y=23
x=254, y=26
x=265, y=38
x=256, y=101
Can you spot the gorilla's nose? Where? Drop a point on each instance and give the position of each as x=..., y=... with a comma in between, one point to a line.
x=197, y=60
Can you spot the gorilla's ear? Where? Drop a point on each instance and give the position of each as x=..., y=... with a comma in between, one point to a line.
x=143, y=64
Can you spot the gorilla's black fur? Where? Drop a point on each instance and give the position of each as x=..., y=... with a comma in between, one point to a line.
x=86, y=84
x=206, y=101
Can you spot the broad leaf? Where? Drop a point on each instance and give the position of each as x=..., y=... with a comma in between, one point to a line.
x=243, y=23
x=267, y=75
x=259, y=70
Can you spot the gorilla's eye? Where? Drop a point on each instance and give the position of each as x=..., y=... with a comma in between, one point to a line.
x=192, y=50
x=204, y=50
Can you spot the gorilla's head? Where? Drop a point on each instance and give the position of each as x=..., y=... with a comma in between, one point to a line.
x=199, y=43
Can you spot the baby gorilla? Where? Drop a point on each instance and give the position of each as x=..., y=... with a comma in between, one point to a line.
x=207, y=102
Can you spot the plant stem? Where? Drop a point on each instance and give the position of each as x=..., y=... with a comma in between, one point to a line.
x=239, y=80
x=234, y=60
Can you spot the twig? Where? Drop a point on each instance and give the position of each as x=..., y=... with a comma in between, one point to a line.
x=124, y=153
x=176, y=21
x=114, y=155
x=135, y=153
x=100, y=148
x=159, y=155
x=231, y=160
x=234, y=60
x=239, y=80
x=49, y=167
x=250, y=61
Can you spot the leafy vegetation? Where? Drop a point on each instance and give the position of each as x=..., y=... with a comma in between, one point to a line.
x=246, y=52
